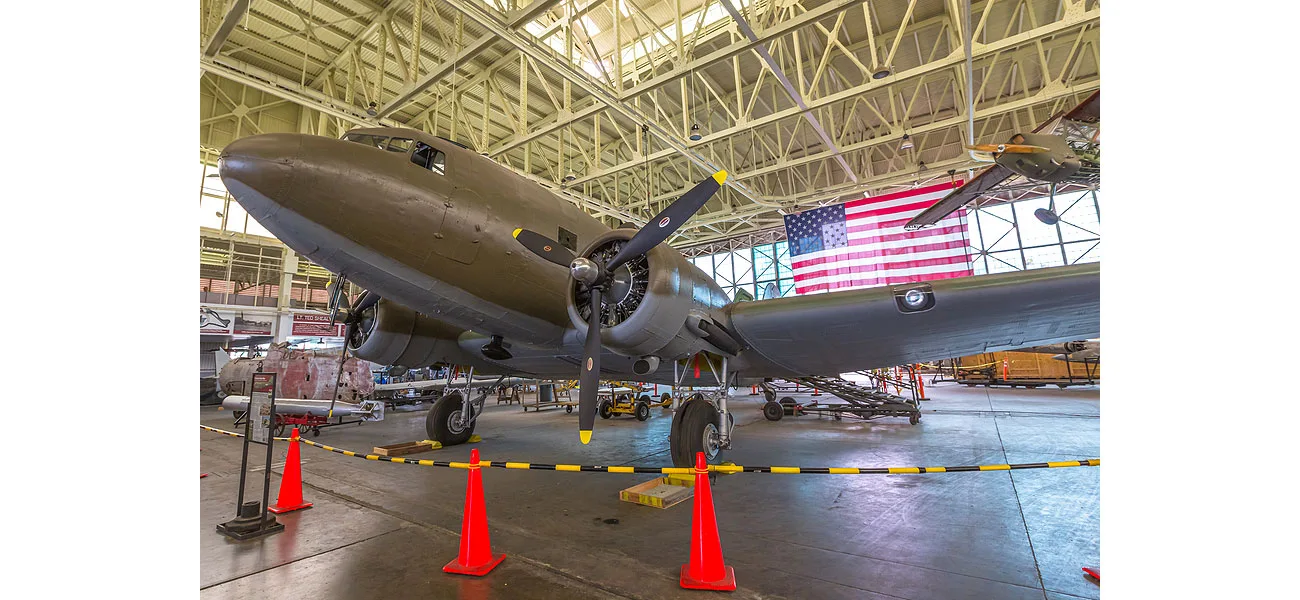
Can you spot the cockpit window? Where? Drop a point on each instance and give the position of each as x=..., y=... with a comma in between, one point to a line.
x=399, y=145
x=430, y=158
x=369, y=140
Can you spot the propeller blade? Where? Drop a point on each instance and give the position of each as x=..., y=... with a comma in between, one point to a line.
x=1009, y=148
x=589, y=376
x=367, y=300
x=665, y=223
x=348, y=333
x=336, y=295
x=544, y=247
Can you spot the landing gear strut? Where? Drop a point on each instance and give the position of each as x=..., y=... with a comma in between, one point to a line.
x=702, y=424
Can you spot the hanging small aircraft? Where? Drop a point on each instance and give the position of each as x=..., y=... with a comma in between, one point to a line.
x=467, y=263
x=1064, y=150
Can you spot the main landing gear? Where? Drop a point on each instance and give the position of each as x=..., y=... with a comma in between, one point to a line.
x=698, y=425
x=452, y=419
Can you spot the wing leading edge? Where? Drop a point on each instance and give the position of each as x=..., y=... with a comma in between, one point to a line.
x=839, y=332
x=979, y=185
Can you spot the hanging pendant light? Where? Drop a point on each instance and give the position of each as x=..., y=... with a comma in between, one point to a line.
x=695, y=132
x=906, y=143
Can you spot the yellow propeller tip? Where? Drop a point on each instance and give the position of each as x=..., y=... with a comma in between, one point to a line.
x=584, y=435
x=720, y=177
x=516, y=233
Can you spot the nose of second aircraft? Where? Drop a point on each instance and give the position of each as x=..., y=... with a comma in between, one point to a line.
x=258, y=170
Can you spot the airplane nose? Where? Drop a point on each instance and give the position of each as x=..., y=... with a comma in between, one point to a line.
x=258, y=170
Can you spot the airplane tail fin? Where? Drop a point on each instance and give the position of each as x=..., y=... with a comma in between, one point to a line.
x=220, y=359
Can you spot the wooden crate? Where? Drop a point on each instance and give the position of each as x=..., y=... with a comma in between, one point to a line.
x=660, y=492
x=1029, y=365
x=405, y=448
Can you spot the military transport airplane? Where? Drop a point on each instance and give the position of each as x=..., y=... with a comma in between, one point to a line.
x=467, y=263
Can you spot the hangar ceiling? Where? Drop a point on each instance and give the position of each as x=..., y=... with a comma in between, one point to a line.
x=804, y=102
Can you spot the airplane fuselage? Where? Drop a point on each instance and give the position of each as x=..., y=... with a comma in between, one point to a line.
x=436, y=240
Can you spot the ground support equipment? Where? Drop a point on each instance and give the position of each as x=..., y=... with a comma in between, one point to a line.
x=562, y=397
x=862, y=402
x=623, y=404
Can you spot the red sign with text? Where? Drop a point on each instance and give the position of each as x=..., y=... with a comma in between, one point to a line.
x=304, y=324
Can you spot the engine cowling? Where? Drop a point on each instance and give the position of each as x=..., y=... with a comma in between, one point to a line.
x=655, y=303
x=391, y=334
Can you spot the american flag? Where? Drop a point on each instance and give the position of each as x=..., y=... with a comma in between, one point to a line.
x=862, y=243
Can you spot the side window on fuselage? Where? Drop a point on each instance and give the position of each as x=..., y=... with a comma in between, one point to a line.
x=369, y=140
x=430, y=158
x=402, y=145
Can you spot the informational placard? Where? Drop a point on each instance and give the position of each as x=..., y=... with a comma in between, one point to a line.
x=227, y=322
x=315, y=325
x=261, y=408
x=212, y=321
x=252, y=324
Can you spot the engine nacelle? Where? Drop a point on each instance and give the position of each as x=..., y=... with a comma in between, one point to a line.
x=391, y=334
x=650, y=302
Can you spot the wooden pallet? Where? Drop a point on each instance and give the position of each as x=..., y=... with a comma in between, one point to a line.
x=661, y=492
x=405, y=448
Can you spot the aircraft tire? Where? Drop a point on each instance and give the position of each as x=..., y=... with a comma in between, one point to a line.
x=690, y=424
x=773, y=410
x=437, y=423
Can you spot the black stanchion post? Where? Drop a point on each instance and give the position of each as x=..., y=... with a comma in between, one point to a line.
x=251, y=519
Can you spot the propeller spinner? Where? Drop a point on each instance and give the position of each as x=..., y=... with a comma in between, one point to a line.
x=597, y=277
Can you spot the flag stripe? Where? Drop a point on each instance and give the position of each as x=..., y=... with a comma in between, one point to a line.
x=936, y=249
x=863, y=243
x=844, y=268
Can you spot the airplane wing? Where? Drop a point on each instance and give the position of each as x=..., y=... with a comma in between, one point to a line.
x=838, y=332
x=1088, y=111
x=987, y=180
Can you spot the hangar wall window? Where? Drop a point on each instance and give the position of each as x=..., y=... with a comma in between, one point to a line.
x=218, y=210
x=1008, y=237
x=755, y=270
x=430, y=158
x=239, y=273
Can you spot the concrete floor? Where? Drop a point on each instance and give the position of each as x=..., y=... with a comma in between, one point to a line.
x=382, y=530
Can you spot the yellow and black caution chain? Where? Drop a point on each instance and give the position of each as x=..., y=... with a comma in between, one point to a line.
x=1090, y=462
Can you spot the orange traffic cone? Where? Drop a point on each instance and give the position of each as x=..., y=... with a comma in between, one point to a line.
x=706, y=570
x=290, y=497
x=476, y=556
